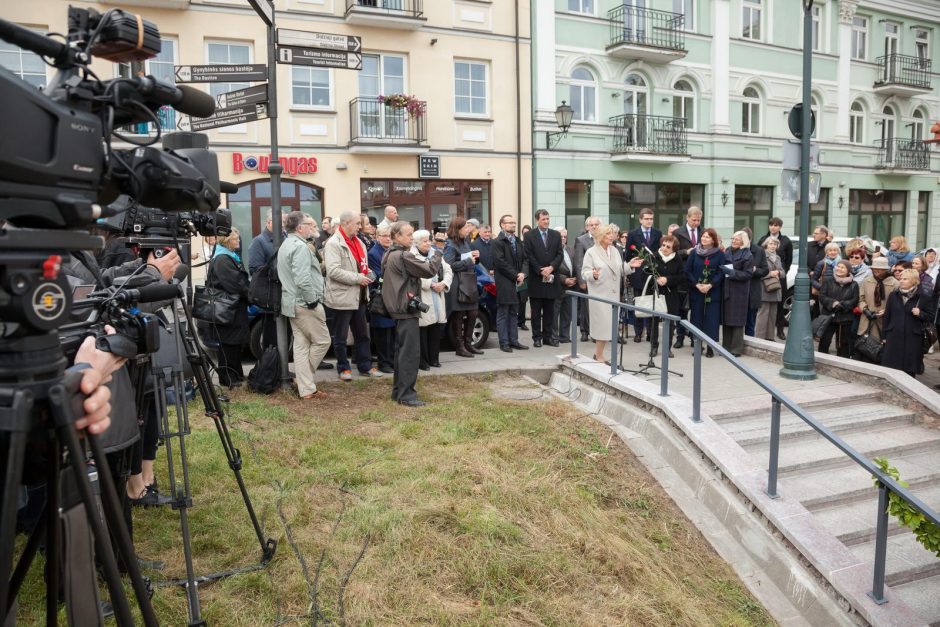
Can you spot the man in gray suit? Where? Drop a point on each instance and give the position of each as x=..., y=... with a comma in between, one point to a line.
x=581, y=245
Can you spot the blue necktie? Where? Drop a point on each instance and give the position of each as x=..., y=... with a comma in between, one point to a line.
x=545, y=238
x=646, y=235
x=512, y=242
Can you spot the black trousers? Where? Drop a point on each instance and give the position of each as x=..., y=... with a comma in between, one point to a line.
x=584, y=318
x=407, y=356
x=343, y=319
x=542, y=314
x=431, y=344
x=384, y=338
x=562, y=318
x=230, y=365
x=269, y=330
x=844, y=338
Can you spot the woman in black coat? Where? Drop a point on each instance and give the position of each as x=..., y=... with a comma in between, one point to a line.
x=838, y=297
x=735, y=295
x=672, y=284
x=462, y=297
x=227, y=273
x=904, y=318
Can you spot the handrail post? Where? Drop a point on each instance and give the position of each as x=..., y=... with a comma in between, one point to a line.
x=573, y=332
x=696, y=379
x=614, y=337
x=774, y=448
x=664, y=345
x=877, y=593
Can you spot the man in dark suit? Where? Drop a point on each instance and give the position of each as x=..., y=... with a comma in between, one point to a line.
x=581, y=246
x=785, y=252
x=688, y=236
x=637, y=239
x=566, y=280
x=509, y=271
x=544, y=254
x=484, y=243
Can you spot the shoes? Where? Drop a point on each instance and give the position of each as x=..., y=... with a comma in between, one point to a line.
x=345, y=375
x=151, y=498
x=372, y=373
x=736, y=354
x=679, y=343
x=436, y=364
x=518, y=346
x=505, y=348
x=709, y=352
x=523, y=327
x=388, y=369
x=654, y=351
x=671, y=355
x=638, y=338
x=564, y=340
x=473, y=349
x=552, y=342
x=424, y=367
x=584, y=337
x=325, y=365
x=780, y=335
x=314, y=396
x=412, y=403
x=462, y=351
x=536, y=343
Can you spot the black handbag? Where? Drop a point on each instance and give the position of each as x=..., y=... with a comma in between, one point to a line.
x=821, y=323
x=869, y=347
x=376, y=303
x=467, y=293
x=210, y=304
x=928, y=337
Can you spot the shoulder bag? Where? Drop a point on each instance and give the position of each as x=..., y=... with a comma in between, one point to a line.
x=869, y=347
x=821, y=323
x=771, y=283
x=652, y=301
x=212, y=304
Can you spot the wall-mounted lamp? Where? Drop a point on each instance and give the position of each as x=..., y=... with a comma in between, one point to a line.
x=841, y=183
x=725, y=179
x=434, y=41
x=841, y=201
x=616, y=94
x=724, y=199
x=563, y=115
x=341, y=165
x=666, y=99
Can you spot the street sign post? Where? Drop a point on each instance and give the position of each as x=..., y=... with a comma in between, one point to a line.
x=225, y=117
x=239, y=97
x=264, y=9
x=221, y=73
x=790, y=186
x=324, y=41
x=792, y=154
x=314, y=57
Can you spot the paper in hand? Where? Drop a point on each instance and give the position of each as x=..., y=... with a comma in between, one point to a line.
x=728, y=268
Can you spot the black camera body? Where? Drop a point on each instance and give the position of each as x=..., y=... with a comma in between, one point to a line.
x=415, y=305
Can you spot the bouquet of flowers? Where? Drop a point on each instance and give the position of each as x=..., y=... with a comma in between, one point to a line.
x=649, y=260
x=706, y=274
x=415, y=108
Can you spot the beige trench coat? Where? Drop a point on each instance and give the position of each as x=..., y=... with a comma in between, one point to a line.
x=866, y=300
x=613, y=270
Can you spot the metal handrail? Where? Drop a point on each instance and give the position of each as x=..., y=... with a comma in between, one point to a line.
x=657, y=134
x=646, y=27
x=410, y=8
x=905, y=154
x=371, y=120
x=903, y=69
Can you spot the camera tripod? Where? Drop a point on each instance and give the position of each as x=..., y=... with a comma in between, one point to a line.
x=39, y=404
x=168, y=370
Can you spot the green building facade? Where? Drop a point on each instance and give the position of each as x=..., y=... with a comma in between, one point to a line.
x=682, y=102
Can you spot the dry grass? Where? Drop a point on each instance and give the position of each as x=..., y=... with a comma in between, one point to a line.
x=474, y=510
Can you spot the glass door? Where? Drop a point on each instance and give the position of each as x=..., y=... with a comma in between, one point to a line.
x=381, y=75
x=634, y=106
x=892, y=32
x=634, y=17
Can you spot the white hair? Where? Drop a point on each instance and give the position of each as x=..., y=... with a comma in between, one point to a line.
x=420, y=235
x=349, y=216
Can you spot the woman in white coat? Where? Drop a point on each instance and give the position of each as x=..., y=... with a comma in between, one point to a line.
x=603, y=269
x=432, y=321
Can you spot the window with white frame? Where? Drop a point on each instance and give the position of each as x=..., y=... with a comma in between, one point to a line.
x=917, y=126
x=310, y=87
x=25, y=64
x=857, y=123
x=470, y=79
x=582, y=95
x=581, y=6
x=683, y=103
x=685, y=9
x=922, y=45
x=859, y=38
x=228, y=53
x=751, y=12
x=817, y=28
x=750, y=112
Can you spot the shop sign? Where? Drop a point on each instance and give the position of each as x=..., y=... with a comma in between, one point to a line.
x=444, y=188
x=429, y=166
x=292, y=165
x=475, y=188
x=408, y=187
x=373, y=189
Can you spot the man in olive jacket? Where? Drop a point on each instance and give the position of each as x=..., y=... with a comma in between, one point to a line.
x=402, y=271
x=301, y=301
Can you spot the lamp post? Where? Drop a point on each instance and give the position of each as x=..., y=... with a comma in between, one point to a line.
x=563, y=115
x=799, y=359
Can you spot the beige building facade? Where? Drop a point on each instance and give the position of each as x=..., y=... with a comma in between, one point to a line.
x=462, y=64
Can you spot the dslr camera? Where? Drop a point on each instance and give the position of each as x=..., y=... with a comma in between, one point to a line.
x=415, y=305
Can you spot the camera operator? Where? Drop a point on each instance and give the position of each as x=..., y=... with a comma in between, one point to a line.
x=402, y=271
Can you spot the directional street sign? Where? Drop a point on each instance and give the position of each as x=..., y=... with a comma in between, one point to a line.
x=313, y=57
x=324, y=41
x=225, y=117
x=239, y=97
x=790, y=186
x=264, y=9
x=221, y=73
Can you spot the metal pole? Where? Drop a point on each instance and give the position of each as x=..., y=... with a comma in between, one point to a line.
x=665, y=345
x=614, y=338
x=877, y=593
x=696, y=379
x=573, y=333
x=774, y=448
x=799, y=361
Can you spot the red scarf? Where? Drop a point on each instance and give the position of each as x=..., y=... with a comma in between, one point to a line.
x=358, y=251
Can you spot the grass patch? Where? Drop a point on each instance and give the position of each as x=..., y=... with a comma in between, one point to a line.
x=472, y=510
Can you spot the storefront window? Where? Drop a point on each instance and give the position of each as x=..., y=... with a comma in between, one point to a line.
x=753, y=207
x=250, y=204
x=478, y=202
x=577, y=205
x=426, y=204
x=669, y=203
x=876, y=213
x=923, y=202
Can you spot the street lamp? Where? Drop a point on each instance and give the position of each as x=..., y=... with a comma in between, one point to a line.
x=799, y=359
x=563, y=115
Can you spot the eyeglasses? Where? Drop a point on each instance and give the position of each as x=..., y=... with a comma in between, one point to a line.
x=855, y=257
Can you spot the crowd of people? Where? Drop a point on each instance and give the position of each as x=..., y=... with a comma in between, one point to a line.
x=870, y=304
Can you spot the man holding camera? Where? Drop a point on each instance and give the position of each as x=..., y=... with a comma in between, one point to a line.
x=402, y=271
x=301, y=293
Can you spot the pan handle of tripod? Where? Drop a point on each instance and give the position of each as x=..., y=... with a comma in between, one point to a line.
x=71, y=381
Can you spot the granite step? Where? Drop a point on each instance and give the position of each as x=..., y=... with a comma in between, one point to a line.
x=907, y=560
x=841, y=421
x=809, y=398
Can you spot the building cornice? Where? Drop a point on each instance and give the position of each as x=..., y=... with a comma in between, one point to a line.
x=920, y=9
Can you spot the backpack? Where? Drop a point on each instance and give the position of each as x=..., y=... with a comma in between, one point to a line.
x=265, y=377
x=265, y=288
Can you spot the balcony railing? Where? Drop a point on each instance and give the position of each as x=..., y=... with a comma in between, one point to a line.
x=902, y=69
x=374, y=122
x=903, y=154
x=646, y=27
x=404, y=8
x=649, y=133
x=166, y=117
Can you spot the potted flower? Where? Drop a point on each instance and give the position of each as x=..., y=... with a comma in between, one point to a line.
x=415, y=108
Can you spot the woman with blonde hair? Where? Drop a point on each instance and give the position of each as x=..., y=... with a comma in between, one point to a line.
x=906, y=314
x=898, y=250
x=767, y=315
x=603, y=269
x=736, y=292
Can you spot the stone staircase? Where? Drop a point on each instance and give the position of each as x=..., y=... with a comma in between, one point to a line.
x=838, y=492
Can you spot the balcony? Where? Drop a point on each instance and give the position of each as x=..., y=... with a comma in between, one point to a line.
x=903, y=75
x=649, y=138
x=399, y=14
x=903, y=156
x=150, y=4
x=638, y=33
x=378, y=128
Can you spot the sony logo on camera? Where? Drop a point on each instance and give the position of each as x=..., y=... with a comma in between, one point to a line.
x=292, y=165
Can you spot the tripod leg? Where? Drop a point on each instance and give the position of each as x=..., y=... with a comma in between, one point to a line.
x=52, y=538
x=18, y=416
